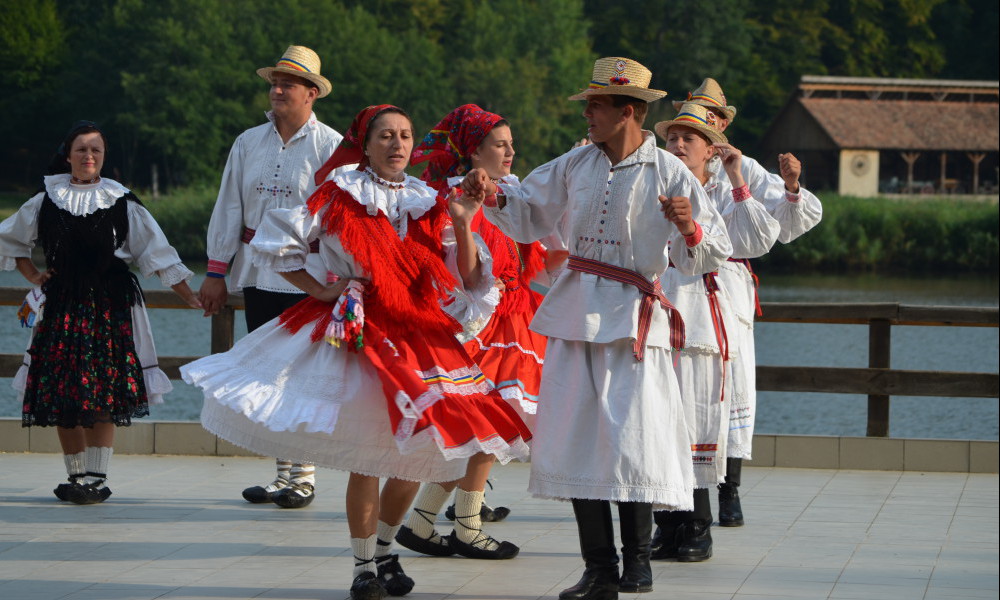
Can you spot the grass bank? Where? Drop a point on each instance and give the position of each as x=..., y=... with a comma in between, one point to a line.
x=895, y=236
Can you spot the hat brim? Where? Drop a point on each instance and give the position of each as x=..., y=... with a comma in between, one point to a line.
x=730, y=111
x=321, y=82
x=714, y=135
x=638, y=93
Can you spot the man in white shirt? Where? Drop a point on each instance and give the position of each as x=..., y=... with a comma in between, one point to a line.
x=270, y=166
x=610, y=426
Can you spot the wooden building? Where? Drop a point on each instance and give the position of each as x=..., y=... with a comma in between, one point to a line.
x=863, y=136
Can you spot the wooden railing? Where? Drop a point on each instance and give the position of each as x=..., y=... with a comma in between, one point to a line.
x=878, y=381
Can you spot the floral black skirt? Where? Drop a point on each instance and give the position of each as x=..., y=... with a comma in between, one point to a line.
x=84, y=368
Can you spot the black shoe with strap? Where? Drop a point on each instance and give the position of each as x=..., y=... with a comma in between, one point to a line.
x=480, y=547
x=432, y=546
x=297, y=494
x=260, y=494
x=89, y=493
x=367, y=586
x=63, y=491
x=390, y=573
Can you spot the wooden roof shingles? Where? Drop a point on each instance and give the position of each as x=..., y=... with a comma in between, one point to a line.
x=907, y=125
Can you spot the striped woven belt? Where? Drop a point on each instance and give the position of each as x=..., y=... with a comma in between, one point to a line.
x=718, y=323
x=651, y=293
x=249, y=233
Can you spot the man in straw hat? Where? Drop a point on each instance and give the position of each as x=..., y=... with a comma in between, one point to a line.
x=626, y=209
x=270, y=166
x=797, y=210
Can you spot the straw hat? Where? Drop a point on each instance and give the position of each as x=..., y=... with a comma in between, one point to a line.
x=696, y=117
x=620, y=77
x=709, y=94
x=301, y=62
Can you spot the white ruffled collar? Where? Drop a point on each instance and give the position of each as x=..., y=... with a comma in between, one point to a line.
x=413, y=199
x=83, y=199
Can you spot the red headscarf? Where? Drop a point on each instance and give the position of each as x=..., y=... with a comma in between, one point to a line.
x=351, y=149
x=450, y=144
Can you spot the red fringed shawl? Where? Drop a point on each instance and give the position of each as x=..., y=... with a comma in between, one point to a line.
x=514, y=263
x=408, y=278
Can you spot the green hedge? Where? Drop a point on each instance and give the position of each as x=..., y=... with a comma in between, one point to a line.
x=183, y=215
x=896, y=235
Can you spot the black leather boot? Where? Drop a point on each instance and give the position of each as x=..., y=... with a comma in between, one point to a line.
x=597, y=544
x=730, y=511
x=694, y=537
x=665, y=540
x=636, y=520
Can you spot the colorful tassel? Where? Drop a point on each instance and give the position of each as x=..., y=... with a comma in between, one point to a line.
x=348, y=319
x=31, y=309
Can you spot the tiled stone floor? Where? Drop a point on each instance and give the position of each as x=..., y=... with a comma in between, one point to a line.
x=177, y=528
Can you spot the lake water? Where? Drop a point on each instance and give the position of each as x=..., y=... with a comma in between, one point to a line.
x=183, y=332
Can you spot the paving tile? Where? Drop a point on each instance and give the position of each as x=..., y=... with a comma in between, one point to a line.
x=810, y=533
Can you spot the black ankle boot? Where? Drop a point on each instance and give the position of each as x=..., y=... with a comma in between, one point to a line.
x=730, y=511
x=597, y=544
x=695, y=541
x=636, y=520
x=694, y=537
x=596, y=584
x=665, y=541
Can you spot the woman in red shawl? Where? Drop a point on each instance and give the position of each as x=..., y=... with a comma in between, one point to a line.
x=508, y=352
x=393, y=394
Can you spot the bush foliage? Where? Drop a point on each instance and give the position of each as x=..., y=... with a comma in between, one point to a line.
x=912, y=236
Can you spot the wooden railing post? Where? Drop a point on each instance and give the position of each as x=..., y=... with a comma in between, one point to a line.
x=223, y=329
x=879, y=347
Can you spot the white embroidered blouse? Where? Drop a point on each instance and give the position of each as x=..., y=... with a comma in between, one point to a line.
x=145, y=246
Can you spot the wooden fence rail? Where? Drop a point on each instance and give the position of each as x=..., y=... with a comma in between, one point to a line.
x=878, y=381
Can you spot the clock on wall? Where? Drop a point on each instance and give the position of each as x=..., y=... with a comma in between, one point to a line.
x=860, y=164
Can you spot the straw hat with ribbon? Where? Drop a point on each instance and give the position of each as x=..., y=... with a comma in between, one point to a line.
x=620, y=77
x=696, y=117
x=709, y=94
x=301, y=62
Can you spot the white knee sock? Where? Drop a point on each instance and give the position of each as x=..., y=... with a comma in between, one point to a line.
x=97, y=460
x=386, y=534
x=76, y=464
x=364, y=554
x=425, y=510
x=468, y=524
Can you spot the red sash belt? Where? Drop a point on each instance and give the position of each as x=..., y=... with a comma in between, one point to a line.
x=718, y=323
x=756, y=282
x=651, y=291
x=249, y=233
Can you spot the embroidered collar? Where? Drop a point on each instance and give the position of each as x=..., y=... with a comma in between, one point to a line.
x=308, y=126
x=411, y=197
x=80, y=200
